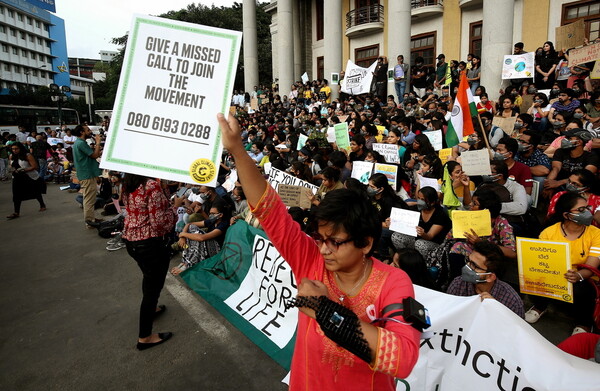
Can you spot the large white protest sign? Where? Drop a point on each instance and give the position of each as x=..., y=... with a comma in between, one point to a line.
x=435, y=138
x=301, y=141
x=428, y=182
x=261, y=297
x=518, y=66
x=304, y=78
x=357, y=80
x=404, y=221
x=388, y=151
x=277, y=176
x=362, y=171
x=476, y=162
x=176, y=77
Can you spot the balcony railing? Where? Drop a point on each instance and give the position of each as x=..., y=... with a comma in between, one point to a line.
x=363, y=15
x=425, y=3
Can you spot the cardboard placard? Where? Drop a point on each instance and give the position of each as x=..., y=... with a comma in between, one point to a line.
x=542, y=266
x=595, y=74
x=570, y=35
x=466, y=220
x=404, y=221
x=585, y=54
x=526, y=103
x=254, y=103
x=388, y=151
x=476, y=162
x=506, y=124
x=298, y=196
x=444, y=154
x=362, y=171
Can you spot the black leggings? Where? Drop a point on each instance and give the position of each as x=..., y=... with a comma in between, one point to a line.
x=581, y=310
x=18, y=204
x=152, y=257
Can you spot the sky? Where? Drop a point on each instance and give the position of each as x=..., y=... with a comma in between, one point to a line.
x=91, y=25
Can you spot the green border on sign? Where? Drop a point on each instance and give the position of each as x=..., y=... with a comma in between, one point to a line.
x=128, y=69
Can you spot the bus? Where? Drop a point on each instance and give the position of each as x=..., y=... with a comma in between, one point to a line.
x=35, y=118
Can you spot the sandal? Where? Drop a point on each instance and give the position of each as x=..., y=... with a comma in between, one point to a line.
x=12, y=216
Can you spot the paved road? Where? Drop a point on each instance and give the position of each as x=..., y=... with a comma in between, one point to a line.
x=69, y=315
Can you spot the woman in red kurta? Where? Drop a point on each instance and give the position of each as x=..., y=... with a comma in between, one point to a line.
x=335, y=264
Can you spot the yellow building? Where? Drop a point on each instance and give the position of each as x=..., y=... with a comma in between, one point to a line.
x=319, y=36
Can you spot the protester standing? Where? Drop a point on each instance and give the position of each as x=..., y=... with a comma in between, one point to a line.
x=27, y=183
x=88, y=170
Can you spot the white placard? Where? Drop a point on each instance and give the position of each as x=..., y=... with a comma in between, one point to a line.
x=404, y=221
x=304, y=78
x=357, y=80
x=55, y=141
x=476, y=162
x=435, y=138
x=362, y=171
x=277, y=176
x=518, y=66
x=331, y=134
x=428, y=182
x=301, y=141
x=388, y=151
x=176, y=77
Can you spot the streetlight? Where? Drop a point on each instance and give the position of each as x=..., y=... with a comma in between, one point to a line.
x=58, y=95
x=27, y=79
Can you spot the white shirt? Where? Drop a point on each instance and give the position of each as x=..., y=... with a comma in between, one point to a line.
x=519, y=203
x=70, y=139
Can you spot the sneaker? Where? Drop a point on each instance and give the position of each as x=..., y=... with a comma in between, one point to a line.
x=579, y=330
x=115, y=239
x=533, y=315
x=116, y=246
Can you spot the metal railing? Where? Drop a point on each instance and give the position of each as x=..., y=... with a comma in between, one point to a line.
x=370, y=14
x=425, y=3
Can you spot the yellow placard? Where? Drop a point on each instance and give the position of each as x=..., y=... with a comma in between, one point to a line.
x=596, y=71
x=542, y=266
x=463, y=221
x=444, y=154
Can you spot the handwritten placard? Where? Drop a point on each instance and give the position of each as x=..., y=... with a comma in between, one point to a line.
x=388, y=151
x=428, y=182
x=506, y=124
x=476, y=162
x=254, y=103
x=467, y=220
x=301, y=141
x=542, y=266
x=570, y=35
x=435, y=138
x=389, y=170
x=342, y=137
x=277, y=177
x=595, y=74
x=404, y=221
x=444, y=154
x=362, y=171
x=295, y=195
x=585, y=54
x=331, y=135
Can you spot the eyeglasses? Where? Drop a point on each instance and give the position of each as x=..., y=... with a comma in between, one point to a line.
x=331, y=244
x=473, y=266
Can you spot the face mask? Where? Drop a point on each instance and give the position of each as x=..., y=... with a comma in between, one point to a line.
x=329, y=163
x=421, y=205
x=204, y=196
x=555, y=90
x=576, y=90
x=470, y=276
x=259, y=134
x=490, y=178
x=518, y=125
x=408, y=108
x=266, y=153
x=558, y=124
x=531, y=90
x=572, y=188
x=567, y=144
x=372, y=192
x=214, y=217
x=432, y=110
x=582, y=218
x=376, y=122
x=302, y=159
x=445, y=93
x=514, y=93
x=485, y=123
x=499, y=156
x=471, y=141
x=539, y=101
x=524, y=147
x=430, y=128
x=578, y=115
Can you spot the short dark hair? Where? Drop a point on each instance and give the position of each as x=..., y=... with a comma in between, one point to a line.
x=331, y=174
x=526, y=118
x=501, y=166
x=488, y=199
x=534, y=137
x=77, y=131
x=353, y=213
x=519, y=45
x=359, y=140
x=494, y=258
x=511, y=145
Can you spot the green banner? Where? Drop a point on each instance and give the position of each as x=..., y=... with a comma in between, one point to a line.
x=248, y=282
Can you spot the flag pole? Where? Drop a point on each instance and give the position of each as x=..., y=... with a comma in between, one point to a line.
x=487, y=143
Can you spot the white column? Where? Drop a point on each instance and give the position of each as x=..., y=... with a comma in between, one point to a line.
x=497, y=35
x=398, y=36
x=297, y=44
x=333, y=41
x=250, y=45
x=286, y=45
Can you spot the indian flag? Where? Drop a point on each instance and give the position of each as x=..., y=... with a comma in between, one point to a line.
x=461, y=124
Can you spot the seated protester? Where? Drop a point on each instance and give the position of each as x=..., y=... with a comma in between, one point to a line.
x=481, y=276
x=255, y=151
x=238, y=199
x=407, y=137
x=300, y=171
x=251, y=139
x=431, y=167
x=529, y=154
x=103, y=195
x=580, y=113
x=573, y=124
x=369, y=132
x=502, y=232
x=331, y=181
x=568, y=158
x=433, y=227
x=202, y=239
x=558, y=128
x=357, y=148
x=507, y=107
x=474, y=142
x=593, y=110
x=584, y=183
x=566, y=102
x=507, y=150
x=413, y=263
x=205, y=198
x=494, y=133
x=374, y=157
x=513, y=94
x=582, y=345
x=523, y=123
x=456, y=187
x=571, y=223
x=273, y=156
x=393, y=137
x=539, y=110
x=420, y=148
x=485, y=104
x=518, y=205
x=338, y=159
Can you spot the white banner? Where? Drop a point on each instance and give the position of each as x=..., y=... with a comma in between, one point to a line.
x=176, y=77
x=277, y=176
x=518, y=66
x=357, y=80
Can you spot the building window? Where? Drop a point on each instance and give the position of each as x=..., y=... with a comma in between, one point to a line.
x=15, y=51
x=33, y=56
x=423, y=45
x=319, y=19
x=2, y=29
x=366, y=56
x=40, y=41
x=17, y=69
x=11, y=14
x=22, y=35
x=34, y=72
x=29, y=21
x=37, y=24
x=475, y=38
x=320, y=68
x=13, y=32
x=7, y=67
x=5, y=48
x=46, y=27
x=20, y=17
x=588, y=11
x=31, y=38
x=48, y=44
x=23, y=53
x=1, y=10
x=42, y=74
